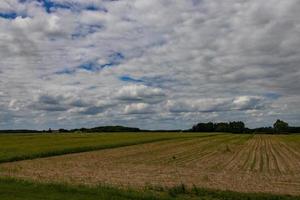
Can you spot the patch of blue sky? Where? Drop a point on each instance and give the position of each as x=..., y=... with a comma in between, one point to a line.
x=158, y=81
x=10, y=15
x=51, y=6
x=89, y=66
x=113, y=60
x=95, y=8
x=84, y=30
x=116, y=58
x=66, y=71
x=272, y=95
x=93, y=66
x=127, y=78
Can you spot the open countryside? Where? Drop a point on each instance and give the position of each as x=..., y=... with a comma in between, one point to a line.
x=149, y=100
x=236, y=162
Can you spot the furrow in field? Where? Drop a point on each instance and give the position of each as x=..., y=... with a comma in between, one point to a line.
x=256, y=164
x=250, y=163
x=157, y=157
x=277, y=161
x=240, y=155
x=146, y=152
x=261, y=162
x=138, y=153
x=265, y=156
x=293, y=154
x=206, y=156
x=266, y=167
x=181, y=155
x=289, y=158
x=282, y=160
x=292, y=150
x=272, y=165
x=227, y=154
x=248, y=154
x=203, y=150
x=197, y=159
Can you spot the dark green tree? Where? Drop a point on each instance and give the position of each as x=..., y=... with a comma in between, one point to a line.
x=222, y=127
x=236, y=127
x=281, y=126
x=203, y=127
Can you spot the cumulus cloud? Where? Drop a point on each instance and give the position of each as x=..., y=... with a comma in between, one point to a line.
x=248, y=103
x=140, y=93
x=47, y=102
x=138, y=108
x=216, y=104
x=66, y=63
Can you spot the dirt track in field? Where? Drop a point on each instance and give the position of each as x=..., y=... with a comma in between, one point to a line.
x=261, y=163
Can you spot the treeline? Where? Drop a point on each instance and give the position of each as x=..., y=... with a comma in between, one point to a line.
x=103, y=129
x=234, y=127
x=279, y=127
x=19, y=131
x=113, y=129
x=84, y=130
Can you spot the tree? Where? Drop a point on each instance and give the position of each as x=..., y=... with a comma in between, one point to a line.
x=237, y=127
x=203, y=127
x=280, y=125
x=234, y=127
x=222, y=127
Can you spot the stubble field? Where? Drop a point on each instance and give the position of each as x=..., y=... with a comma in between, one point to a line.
x=14, y=147
x=243, y=163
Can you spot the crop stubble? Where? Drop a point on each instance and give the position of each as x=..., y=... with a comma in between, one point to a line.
x=245, y=163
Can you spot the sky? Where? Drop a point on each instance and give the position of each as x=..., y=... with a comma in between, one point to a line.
x=153, y=64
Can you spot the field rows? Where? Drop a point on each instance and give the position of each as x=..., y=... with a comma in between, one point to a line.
x=245, y=163
x=21, y=147
x=265, y=155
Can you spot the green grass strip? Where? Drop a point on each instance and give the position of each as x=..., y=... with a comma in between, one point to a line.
x=11, y=189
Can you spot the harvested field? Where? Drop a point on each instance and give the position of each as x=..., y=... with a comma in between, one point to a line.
x=244, y=163
x=15, y=147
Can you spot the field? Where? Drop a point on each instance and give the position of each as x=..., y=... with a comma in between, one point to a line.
x=241, y=163
x=29, y=146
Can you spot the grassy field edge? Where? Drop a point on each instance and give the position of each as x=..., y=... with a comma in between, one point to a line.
x=28, y=190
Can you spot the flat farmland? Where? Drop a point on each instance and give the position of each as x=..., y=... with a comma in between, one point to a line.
x=15, y=147
x=243, y=163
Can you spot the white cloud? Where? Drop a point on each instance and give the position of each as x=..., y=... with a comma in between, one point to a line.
x=138, y=108
x=240, y=103
x=248, y=103
x=184, y=60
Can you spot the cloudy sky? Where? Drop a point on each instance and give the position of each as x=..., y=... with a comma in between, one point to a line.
x=148, y=63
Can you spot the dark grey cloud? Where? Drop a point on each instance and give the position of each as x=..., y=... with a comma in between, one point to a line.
x=93, y=110
x=50, y=103
x=140, y=93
